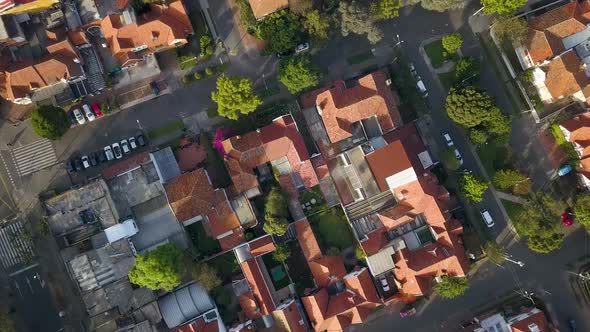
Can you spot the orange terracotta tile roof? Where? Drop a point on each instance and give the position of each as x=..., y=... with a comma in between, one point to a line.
x=261, y=245
x=260, y=291
x=231, y=241
x=198, y=325
x=289, y=318
x=538, y=319
x=387, y=161
x=281, y=139
x=164, y=26
x=16, y=81
x=327, y=270
x=126, y=165
x=307, y=241
x=190, y=156
x=565, y=75
x=249, y=305
x=547, y=30
x=261, y=8
x=579, y=133
x=341, y=107
x=192, y=194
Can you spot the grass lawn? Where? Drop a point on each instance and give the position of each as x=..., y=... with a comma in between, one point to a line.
x=203, y=243
x=226, y=265
x=360, y=57
x=331, y=229
x=309, y=197
x=513, y=209
x=166, y=129
x=299, y=269
x=437, y=54
x=447, y=79
x=494, y=157
x=277, y=272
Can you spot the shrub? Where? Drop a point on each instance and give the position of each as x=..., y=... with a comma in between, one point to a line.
x=360, y=253
x=206, y=276
x=186, y=79
x=198, y=75
x=478, y=137
x=209, y=50
x=209, y=71
x=452, y=42
x=281, y=253
x=50, y=122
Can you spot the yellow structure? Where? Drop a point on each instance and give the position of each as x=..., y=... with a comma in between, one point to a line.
x=31, y=7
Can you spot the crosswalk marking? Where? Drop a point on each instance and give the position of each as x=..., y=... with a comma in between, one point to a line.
x=15, y=246
x=33, y=157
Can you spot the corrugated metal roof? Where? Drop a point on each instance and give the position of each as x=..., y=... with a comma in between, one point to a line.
x=185, y=304
x=382, y=261
x=165, y=163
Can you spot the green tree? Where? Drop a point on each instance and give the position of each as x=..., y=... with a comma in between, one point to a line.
x=497, y=123
x=545, y=244
x=276, y=211
x=511, y=29
x=198, y=75
x=209, y=71
x=158, y=269
x=502, y=7
x=467, y=69
x=355, y=18
x=385, y=9
x=527, y=75
x=300, y=7
x=247, y=19
x=206, y=276
x=473, y=187
x=317, y=25
x=234, y=96
x=508, y=179
x=204, y=41
x=442, y=5
x=478, y=136
x=494, y=252
x=281, y=252
x=281, y=30
x=582, y=210
x=452, y=42
x=50, y=122
x=275, y=225
x=449, y=159
x=298, y=74
x=451, y=287
x=539, y=222
x=468, y=106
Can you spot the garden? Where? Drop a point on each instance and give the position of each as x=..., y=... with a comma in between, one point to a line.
x=226, y=265
x=312, y=201
x=438, y=54
x=204, y=245
x=276, y=270
x=332, y=230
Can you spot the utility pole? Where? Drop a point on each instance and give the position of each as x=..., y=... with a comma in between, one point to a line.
x=585, y=277
x=519, y=263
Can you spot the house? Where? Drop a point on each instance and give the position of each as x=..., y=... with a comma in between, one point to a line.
x=350, y=112
x=340, y=299
x=279, y=144
x=163, y=27
x=557, y=50
x=193, y=199
x=577, y=132
x=528, y=320
x=262, y=8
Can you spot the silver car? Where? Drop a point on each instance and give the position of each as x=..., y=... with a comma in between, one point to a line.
x=109, y=153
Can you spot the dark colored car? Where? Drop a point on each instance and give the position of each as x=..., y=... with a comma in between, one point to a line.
x=155, y=88
x=72, y=118
x=78, y=164
x=93, y=159
x=70, y=166
x=140, y=140
x=101, y=156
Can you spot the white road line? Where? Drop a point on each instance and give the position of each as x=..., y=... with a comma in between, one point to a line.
x=7, y=170
x=18, y=289
x=30, y=286
x=33, y=157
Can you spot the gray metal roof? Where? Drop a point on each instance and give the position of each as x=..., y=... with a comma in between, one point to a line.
x=165, y=163
x=184, y=304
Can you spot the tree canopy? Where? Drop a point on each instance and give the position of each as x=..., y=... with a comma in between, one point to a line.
x=206, y=276
x=451, y=287
x=468, y=106
x=50, y=122
x=385, y=9
x=317, y=25
x=497, y=123
x=281, y=252
x=539, y=222
x=234, y=96
x=442, y=5
x=510, y=179
x=449, y=159
x=494, y=252
x=511, y=29
x=478, y=136
x=502, y=7
x=467, y=69
x=452, y=42
x=276, y=211
x=158, y=269
x=298, y=74
x=355, y=18
x=281, y=30
x=582, y=210
x=473, y=187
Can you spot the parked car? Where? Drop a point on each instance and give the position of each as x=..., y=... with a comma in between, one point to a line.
x=125, y=146
x=140, y=139
x=79, y=116
x=101, y=155
x=72, y=118
x=422, y=88
x=108, y=152
x=132, y=143
x=458, y=156
x=89, y=115
x=155, y=88
x=567, y=219
x=93, y=159
x=96, y=110
x=301, y=48
x=448, y=139
x=384, y=284
x=565, y=170
x=70, y=166
x=85, y=161
x=413, y=69
x=117, y=150
x=78, y=164
x=487, y=217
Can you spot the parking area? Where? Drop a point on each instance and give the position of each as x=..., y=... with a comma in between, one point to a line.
x=143, y=93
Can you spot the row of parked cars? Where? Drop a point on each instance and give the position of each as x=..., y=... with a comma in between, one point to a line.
x=108, y=153
x=87, y=114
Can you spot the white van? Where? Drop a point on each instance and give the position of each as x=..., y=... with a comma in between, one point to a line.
x=487, y=217
x=120, y=231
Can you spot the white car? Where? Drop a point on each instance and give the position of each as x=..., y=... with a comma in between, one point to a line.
x=132, y=143
x=88, y=112
x=85, y=161
x=109, y=153
x=448, y=139
x=117, y=150
x=384, y=284
x=79, y=116
x=301, y=48
x=458, y=156
x=125, y=146
x=487, y=217
x=422, y=88
x=413, y=69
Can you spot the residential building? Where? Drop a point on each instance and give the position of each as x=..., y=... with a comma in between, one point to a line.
x=528, y=320
x=557, y=49
x=340, y=299
x=163, y=27
x=262, y=8
x=193, y=199
x=348, y=113
x=279, y=144
x=577, y=132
